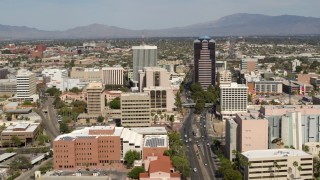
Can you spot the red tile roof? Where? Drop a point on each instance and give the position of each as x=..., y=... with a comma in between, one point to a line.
x=162, y=164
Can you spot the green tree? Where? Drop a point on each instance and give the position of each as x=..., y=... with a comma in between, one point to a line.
x=199, y=107
x=53, y=91
x=15, y=140
x=295, y=165
x=20, y=162
x=298, y=69
x=64, y=128
x=115, y=104
x=100, y=119
x=75, y=90
x=134, y=173
x=8, y=116
x=178, y=102
x=43, y=139
x=131, y=156
x=171, y=119
x=27, y=103
x=182, y=165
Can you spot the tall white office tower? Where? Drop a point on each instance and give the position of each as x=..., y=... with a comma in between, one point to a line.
x=143, y=56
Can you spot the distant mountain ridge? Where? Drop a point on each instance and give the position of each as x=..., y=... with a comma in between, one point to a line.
x=240, y=24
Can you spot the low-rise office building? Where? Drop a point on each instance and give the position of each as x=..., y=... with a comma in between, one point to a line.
x=26, y=132
x=268, y=87
x=296, y=87
x=279, y=164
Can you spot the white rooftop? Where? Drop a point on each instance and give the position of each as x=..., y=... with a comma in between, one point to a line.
x=273, y=153
x=233, y=85
x=150, y=130
x=26, y=126
x=85, y=132
x=144, y=47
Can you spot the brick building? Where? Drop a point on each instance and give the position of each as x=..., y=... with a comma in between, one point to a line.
x=94, y=147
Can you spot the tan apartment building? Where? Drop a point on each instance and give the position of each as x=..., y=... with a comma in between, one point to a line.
x=95, y=98
x=85, y=74
x=281, y=164
x=135, y=109
x=27, y=133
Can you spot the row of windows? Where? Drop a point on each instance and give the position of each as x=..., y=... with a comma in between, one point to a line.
x=66, y=166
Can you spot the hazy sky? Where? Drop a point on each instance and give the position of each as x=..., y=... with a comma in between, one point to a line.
x=140, y=14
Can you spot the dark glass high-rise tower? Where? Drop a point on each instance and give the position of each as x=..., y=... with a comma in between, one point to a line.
x=204, y=61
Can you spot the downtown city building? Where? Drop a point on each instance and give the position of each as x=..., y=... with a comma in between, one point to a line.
x=204, y=61
x=105, y=147
x=143, y=56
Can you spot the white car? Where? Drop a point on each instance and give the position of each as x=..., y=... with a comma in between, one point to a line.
x=195, y=170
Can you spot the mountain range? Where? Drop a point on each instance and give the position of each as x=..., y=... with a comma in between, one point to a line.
x=240, y=24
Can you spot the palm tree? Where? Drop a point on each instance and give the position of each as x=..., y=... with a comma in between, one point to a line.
x=299, y=169
x=295, y=165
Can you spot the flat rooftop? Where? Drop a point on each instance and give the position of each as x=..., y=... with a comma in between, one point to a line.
x=293, y=107
x=144, y=47
x=26, y=126
x=269, y=153
x=84, y=133
x=156, y=141
x=233, y=85
x=134, y=94
x=150, y=130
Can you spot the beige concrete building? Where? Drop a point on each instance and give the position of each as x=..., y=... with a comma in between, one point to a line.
x=156, y=82
x=135, y=109
x=95, y=98
x=153, y=76
x=86, y=74
x=112, y=75
x=281, y=164
x=224, y=77
x=161, y=98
